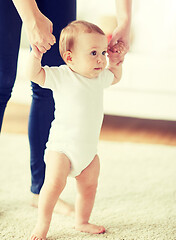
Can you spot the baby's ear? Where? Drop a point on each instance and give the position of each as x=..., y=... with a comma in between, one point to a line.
x=67, y=56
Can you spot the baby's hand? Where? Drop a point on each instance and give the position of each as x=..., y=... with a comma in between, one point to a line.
x=118, y=48
x=116, y=53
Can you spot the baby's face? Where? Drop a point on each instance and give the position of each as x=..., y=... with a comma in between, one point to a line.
x=89, y=54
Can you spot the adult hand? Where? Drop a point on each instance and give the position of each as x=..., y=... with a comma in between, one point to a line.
x=121, y=34
x=39, y=31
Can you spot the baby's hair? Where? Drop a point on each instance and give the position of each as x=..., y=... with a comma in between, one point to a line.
x=71, y=32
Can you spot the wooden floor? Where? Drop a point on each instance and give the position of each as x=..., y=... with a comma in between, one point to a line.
x=114, y=128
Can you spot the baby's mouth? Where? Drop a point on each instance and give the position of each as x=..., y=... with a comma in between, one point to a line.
x=98, y=68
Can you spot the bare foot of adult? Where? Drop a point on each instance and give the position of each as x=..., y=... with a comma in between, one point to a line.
x=90, y=228
x=61, y=207
x=64, y=208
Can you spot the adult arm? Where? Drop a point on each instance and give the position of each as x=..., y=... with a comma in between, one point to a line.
x=38, y=27
x=122, y=32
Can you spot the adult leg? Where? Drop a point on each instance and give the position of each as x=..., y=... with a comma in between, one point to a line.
x=40, y=118
x=10, y=32
x=57, y=170
x=87, y=183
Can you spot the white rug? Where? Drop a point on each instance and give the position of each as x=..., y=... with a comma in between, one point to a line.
x=136, y=198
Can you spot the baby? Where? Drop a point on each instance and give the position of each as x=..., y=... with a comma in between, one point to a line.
x=72, y=145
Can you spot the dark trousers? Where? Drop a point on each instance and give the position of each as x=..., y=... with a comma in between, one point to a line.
x=60, y=12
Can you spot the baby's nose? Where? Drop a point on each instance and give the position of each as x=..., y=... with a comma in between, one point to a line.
x=100, y=59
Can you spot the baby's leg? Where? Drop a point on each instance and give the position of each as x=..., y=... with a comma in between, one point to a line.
x=57, y=170
x=87, y=183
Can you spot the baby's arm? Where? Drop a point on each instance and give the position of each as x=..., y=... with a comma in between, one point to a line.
x=116, y=69
x=34, y=70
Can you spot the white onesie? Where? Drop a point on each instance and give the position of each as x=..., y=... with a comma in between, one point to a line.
x=78, y=114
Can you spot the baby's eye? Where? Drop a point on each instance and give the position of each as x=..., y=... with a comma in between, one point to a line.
x=93, y=53
x=104, y=53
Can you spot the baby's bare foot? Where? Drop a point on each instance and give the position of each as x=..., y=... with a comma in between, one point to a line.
x=33, y=237
x=90, y=228
x=40, y=231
